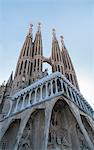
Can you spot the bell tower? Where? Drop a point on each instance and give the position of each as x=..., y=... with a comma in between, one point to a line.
x=68, y=66
x=22, y=77
x=56, y=56
x=37, y=54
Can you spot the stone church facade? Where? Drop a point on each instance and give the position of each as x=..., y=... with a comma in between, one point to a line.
x=39, y=111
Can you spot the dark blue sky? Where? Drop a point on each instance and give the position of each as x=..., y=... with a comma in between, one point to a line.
x=74, y=19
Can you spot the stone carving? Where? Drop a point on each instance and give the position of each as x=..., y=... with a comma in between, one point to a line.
x=24, y=143
x=59, y=137
x=83, y=144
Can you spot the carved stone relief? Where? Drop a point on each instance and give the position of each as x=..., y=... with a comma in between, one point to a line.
x=82, y=141
x=25, y=142
x=58, y=132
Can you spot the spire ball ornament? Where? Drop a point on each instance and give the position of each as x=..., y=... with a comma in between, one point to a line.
x=30, y=28
x=62, y=39
x=39, y=26
x=53, y=33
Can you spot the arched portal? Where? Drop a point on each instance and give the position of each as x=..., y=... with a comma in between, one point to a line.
x=9, y=139
x=33, y=134
x=63, y=129
x=59, y=137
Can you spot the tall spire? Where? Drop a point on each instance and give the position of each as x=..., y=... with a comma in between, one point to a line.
x=24, y=66
x=56, y=54
x=38, y=53
x=38, y=50
x=68, y=66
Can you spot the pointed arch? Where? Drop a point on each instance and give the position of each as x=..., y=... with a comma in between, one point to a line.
x=9, y=139
x=64, y=130
x=33, y=133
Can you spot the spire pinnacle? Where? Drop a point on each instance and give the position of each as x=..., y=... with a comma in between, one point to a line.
x=39, y=27
x=62, y=39
x=62, y=42
x=53, y=33
x=30, y=29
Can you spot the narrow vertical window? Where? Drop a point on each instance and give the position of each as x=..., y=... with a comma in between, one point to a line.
x=34, y=64
x=21, y=67
x=31, y=69
x=38, y=64
x=28, y=67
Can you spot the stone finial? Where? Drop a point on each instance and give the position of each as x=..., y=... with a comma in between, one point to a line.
x=62, y=42
x=30, y=29
x=39, y=27
x=62, y=39
x=54, y=33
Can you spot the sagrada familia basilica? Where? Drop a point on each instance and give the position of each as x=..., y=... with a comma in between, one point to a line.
x=42, y=111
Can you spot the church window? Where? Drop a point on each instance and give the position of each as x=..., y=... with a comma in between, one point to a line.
x=32, y=52
x=27, y=50
x=28, y=67
x=41, y=65
x=35, y=65
x=31, y=68
x=24, y=49
x=25, y=64
x=57, y=57
x=24, y=52
x=58, y=68
x=68, y=65
x=21, y=67
x=39, y=50
x=38, y=64
x=71, y=78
